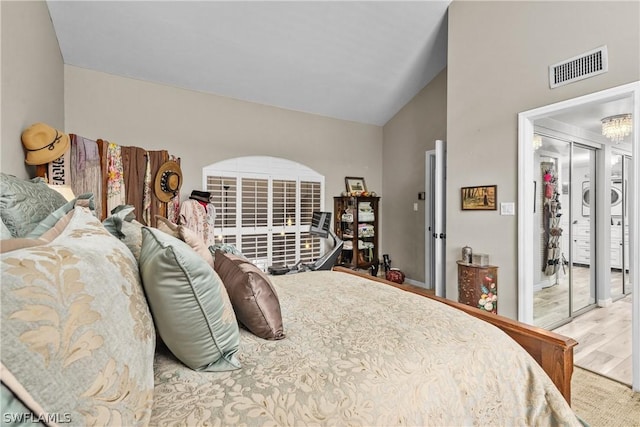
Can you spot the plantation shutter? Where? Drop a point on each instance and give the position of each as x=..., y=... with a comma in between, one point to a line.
x=255, y=212
x=225, y=199
x=266, y=213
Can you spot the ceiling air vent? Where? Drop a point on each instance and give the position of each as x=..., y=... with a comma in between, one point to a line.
x=580, y=67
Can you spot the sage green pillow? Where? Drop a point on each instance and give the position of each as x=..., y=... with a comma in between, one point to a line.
x=187, y=303
x=84, y=200
x=226, y=248
x=5, y=233
x=24, y=203
x=122, y=224
x=14, y=412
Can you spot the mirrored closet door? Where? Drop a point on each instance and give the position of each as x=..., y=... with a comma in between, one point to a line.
x=564, y=282
x=620, y=281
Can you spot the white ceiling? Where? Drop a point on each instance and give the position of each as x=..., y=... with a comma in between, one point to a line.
x=589, y=117
x=359, y=61
x=353, y=60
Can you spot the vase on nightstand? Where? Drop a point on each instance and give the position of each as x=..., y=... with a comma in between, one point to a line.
x=467, y=255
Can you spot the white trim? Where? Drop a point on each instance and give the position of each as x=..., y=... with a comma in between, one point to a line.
x=429, y=255
x=525, y=222
x=264, y=165
x=605, y=302
x=415, y=283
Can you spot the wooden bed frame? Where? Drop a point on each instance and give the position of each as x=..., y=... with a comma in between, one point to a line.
x=553, y=352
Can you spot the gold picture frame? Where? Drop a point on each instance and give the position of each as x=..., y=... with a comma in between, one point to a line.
x=479, y=198
x=355, y=184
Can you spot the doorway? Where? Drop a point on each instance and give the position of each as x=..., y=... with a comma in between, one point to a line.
x=526, y=253
x=564, y=233
x=435, y=218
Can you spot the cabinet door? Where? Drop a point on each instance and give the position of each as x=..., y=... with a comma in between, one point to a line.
x=356, y=223
x=367, y=231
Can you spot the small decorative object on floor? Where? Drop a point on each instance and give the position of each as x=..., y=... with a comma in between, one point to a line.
x=374, y=267
x=386, y=262
x=395, y=275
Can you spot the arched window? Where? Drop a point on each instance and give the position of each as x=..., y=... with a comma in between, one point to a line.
x=264, y=207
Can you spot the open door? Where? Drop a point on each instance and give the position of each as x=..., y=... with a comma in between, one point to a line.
x=435, y=218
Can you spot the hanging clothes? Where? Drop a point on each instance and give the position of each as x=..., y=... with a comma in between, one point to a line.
x=86, y=175
x=134, y=165
x=156, y=206
x=173, y=205
x=199, y=218
x=116, y=194
x=147, y=191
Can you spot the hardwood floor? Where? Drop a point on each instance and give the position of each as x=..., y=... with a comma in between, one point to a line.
x=603, y=334
x=604, y=340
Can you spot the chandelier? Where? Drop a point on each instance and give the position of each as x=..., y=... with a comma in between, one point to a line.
x=616, y=127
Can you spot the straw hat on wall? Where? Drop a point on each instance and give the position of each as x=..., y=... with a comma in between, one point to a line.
x=43, y=143
x=168, y=181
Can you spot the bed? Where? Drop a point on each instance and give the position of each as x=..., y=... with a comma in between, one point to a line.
x=363, y=351
x=358, y=350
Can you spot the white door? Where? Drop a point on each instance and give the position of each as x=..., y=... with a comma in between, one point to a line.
x=435, y=218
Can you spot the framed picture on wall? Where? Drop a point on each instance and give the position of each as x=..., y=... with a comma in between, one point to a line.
x=480, y=198
x=355, y=184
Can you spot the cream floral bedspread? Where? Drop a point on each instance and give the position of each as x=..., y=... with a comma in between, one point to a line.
x=362, y=353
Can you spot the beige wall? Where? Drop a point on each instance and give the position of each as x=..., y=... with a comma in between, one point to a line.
x=203, y=129
x=407, y=137
x=498, y=59
x=32, y=78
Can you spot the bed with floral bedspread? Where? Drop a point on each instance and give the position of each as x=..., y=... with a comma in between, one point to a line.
x=358, y=352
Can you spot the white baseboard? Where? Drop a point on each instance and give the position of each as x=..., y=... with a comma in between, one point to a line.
x=415, y=283
x=605, y=302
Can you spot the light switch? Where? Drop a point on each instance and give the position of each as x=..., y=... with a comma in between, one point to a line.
x=507, y=208
x=415, y=207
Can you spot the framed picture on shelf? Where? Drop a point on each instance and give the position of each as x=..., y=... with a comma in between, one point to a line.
x=355, y=184
x=480, y=198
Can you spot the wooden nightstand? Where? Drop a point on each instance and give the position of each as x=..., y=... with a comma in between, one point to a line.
x=478, y=286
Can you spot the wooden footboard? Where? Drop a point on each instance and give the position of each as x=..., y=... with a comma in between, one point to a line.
x=553, y=352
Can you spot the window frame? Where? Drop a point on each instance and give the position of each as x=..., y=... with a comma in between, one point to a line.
x=272, y=170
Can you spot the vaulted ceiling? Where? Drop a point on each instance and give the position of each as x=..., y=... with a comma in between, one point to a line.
x=352, y=60
x=359, y=61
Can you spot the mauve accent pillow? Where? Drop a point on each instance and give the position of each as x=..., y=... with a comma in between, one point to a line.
x=253, y=297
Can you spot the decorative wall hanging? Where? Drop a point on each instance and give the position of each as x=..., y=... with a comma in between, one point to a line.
x=552, y=211
x=482, y=198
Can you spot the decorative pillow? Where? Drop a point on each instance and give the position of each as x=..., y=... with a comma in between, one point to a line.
x=76, y=330
x=5, y=233
x=84, y=200
x=122, y=225
x=166, y=226
x=49, y=235
x=186, y=299
x=253, y=297
x=9, y=245
x=186, y=235
x=24, y=203
x=226, y=248
x=16, y=400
